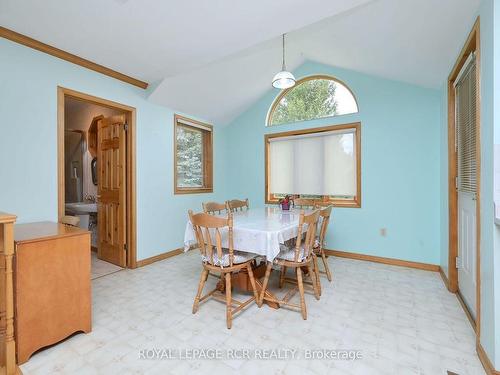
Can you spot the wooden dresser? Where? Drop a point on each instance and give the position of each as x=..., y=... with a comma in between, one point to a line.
x=51, y=283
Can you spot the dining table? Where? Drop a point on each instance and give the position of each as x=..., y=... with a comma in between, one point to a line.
x=261, y=231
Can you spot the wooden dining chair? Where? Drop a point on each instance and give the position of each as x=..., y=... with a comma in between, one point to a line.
x=319, y=243
x=296, y=258
x=304, y=203
x=224, y=261
x=301, y=203
x=237, y=205
x=214, y=208
x=318, y=248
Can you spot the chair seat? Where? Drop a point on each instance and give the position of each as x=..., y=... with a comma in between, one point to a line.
x=239, y=257
x=288, y=253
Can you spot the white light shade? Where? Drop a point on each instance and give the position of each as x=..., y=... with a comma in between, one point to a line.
x=283, y=80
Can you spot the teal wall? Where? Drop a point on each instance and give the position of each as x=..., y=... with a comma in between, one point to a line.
x=400, y=169
x=488, y=327
x=404, y=160
x=443, y=163
x=28, y=146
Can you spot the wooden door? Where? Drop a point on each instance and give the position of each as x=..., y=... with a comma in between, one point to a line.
x=111, y=171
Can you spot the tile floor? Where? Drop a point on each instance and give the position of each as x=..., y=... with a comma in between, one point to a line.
x=403, y=321
x=99, y=268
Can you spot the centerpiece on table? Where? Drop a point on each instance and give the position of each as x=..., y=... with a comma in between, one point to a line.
x=286, y=203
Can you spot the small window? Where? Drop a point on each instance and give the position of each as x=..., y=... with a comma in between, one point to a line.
x=322, y=163
x=312, y=98
x=192, y=156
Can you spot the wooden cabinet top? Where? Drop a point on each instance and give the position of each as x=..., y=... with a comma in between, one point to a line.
x=44, y=230
x=6, y=218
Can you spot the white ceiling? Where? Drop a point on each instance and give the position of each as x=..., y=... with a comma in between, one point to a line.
x=213, y=59
x=154, y=39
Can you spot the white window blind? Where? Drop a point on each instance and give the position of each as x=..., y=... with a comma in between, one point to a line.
x=193, y=124
x=466, y=91
x=316, y=164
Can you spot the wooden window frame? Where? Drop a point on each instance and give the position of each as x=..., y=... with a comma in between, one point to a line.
x=207, y=156
x=354, y=203
x=285, y=92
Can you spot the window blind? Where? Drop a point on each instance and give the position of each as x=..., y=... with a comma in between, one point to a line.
x=185, y=121
x=465, y=92
x=315, y=164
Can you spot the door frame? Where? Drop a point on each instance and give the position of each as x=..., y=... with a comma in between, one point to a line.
x=130, y=112
x=473, y=44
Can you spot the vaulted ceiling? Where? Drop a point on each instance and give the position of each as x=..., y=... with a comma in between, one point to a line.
x=213, y=59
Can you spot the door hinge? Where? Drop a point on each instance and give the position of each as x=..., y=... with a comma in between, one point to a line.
x=456, y=182
x=457, y=263
x=125, y=247
x=125, y=127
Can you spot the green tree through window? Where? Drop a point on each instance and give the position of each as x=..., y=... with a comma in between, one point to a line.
x=313, y=98
x=193, y=156
x=189, y=157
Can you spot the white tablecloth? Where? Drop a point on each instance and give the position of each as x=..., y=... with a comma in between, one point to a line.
x=257, y=230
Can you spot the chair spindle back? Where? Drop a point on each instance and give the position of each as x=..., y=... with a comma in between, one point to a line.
x=324, y=214
x=237, y=205
x=311, y=222
x=304, y=203
x=214, y=208
x=207, y=229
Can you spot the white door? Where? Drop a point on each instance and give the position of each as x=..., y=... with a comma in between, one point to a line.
x=467, y=249
x=465, y=106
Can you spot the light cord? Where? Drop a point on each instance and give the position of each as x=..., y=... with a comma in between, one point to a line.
x=283, y=64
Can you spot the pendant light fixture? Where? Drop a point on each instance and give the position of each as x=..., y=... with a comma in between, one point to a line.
x=283, y=79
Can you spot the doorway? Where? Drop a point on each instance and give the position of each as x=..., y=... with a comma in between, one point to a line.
x=464, y=164
x=96, y=175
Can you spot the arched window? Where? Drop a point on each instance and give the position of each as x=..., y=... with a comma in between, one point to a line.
x=311, y=98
